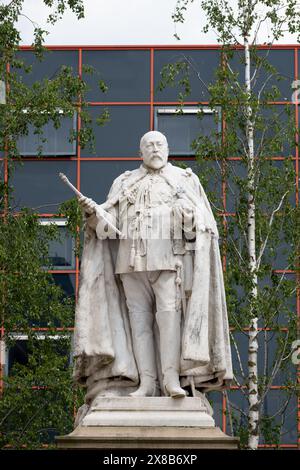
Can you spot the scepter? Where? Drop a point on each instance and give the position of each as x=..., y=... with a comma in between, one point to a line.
x=98, y=210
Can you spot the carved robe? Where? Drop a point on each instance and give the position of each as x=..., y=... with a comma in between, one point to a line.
x=104, y=359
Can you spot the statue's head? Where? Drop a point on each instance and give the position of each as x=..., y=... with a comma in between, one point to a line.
x=154, y=150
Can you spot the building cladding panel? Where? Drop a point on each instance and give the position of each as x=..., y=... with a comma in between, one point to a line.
x=120, y=136
x=125, y=73
x=134, y=99
x=49, y=66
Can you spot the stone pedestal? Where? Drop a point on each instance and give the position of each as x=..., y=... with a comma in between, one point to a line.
x=148, y=422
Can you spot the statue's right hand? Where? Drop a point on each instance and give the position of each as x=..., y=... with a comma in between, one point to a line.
x=87, y=204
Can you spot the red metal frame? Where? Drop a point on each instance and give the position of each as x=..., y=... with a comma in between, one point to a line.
x=107, y=159
x=151, y=88
x=297, y=204
x=164, y=103
x=151, y=46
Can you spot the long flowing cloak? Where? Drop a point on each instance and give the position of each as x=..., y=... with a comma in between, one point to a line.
x=103, y=355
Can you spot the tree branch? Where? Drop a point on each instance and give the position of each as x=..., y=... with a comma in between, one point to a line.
x=238, y=355
x=262, y=249
x=275, y=369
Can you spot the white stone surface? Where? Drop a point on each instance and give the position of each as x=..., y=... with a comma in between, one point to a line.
x=151, y=318
x=149, y=411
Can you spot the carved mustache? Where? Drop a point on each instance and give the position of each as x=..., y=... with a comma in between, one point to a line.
x=156, y=155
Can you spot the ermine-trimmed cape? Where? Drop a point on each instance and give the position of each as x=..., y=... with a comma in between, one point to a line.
x=103, y=353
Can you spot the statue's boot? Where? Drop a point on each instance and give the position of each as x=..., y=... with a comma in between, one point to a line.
x=143, y=348
x=148, y=387
x=170, y=342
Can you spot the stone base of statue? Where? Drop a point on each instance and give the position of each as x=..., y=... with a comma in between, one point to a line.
x=148, y=422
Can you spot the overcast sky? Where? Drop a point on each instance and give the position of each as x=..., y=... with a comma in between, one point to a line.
x=122, y=22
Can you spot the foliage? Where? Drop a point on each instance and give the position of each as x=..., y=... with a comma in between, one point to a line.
x=30, y=106
x=38, y=398
x=29, y=299
x=32, y=305
x=71, y=210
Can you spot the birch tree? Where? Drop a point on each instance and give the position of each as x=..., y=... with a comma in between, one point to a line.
x=262, y=211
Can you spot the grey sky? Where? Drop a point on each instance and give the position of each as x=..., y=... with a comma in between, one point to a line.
x=122, y=22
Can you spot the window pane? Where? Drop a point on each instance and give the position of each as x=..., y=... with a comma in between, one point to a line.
x=1, y=183
x=182, y=129
x=236, y=176
x=236, y=421
x=285, y=255
x=267, y=360
x=37, y=185
x=126, y=73
x=282, y=60
x=239, y=345
x=215, y=399
x=278, y=402
x=49, y=66
x=236, y=171
x=120, y=137
x=61, y=252
x=209, y=174
x=286, y=418
x=17, y=354
x=57, y=143
x=289, y=308
x=278, y=122
x=202, y=65
x=274, y=134
x=239, y=354
x=97, y=177
x=66, y=282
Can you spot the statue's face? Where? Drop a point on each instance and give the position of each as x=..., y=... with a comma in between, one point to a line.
x=154, y=150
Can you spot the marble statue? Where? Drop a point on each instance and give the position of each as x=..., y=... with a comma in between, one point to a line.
x=151, y=315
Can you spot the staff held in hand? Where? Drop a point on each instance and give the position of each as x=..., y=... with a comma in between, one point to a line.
x=90, y=206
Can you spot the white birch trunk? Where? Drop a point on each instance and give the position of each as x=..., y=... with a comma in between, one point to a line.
x=253, y=327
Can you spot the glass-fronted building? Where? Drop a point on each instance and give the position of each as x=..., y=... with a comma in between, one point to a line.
x=135, y=105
